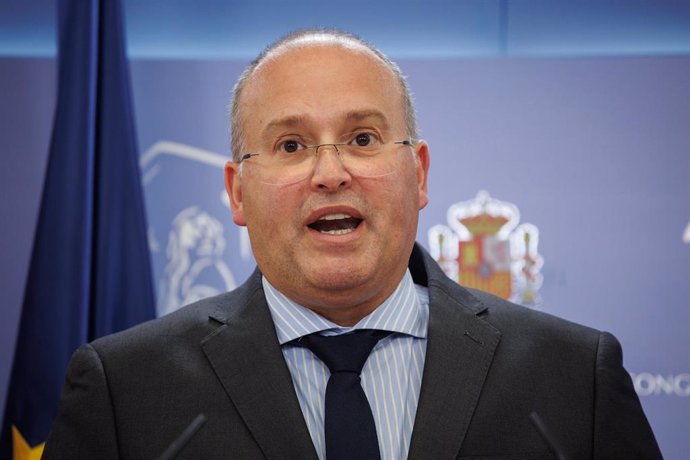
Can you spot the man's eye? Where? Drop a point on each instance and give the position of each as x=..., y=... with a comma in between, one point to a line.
x=364, y=140
x=290, y=146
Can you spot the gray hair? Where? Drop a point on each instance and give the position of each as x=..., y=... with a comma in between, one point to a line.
x=305, y=37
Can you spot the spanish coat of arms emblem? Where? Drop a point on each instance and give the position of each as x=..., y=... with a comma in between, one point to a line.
x=483, y=247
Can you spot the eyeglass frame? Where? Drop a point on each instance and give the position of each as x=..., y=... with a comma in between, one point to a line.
x=407, y=142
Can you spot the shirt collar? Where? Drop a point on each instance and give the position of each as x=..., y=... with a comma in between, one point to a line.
x=403, y=312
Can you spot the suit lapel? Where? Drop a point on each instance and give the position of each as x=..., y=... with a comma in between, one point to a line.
x=459, y=352
x=245, y=355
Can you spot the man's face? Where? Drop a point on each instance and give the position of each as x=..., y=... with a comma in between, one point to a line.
x=315, y=95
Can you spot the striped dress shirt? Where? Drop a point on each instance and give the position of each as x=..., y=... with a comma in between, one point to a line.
x=391, y=377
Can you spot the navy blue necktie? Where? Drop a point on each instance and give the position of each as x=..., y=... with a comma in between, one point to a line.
x=349, y=424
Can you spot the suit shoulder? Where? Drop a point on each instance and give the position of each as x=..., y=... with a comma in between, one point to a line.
x=522, y=322
x=188, y=324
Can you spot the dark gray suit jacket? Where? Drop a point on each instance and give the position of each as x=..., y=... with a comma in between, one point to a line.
x=489, y=364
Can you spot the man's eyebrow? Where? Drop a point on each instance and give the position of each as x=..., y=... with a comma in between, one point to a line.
x=362, y=115
x=286, y=122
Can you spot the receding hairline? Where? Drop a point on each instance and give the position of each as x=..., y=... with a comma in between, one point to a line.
x=315, y=38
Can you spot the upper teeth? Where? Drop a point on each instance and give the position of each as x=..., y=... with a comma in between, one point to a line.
x=335, y=216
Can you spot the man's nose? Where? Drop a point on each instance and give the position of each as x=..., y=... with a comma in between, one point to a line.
x=330, y=173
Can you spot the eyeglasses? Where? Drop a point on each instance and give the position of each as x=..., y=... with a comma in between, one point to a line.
x=363, y=156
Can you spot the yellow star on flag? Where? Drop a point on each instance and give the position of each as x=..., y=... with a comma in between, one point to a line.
x=21, y=449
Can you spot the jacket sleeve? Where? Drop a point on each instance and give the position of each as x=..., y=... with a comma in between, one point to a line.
x=85, y=425
x=621, y=429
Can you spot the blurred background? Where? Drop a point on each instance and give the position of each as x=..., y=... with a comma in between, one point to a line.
x=570, y=116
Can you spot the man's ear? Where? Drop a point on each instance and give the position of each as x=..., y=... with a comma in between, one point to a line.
x=422, y=157
x=233, y=185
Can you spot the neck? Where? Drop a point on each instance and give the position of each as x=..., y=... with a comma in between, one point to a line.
x=347, y=318
x=344, y=307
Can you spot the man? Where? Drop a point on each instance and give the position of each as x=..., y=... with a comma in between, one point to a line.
x=329, y=177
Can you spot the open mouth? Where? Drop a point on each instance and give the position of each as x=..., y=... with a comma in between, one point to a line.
x=335, y=224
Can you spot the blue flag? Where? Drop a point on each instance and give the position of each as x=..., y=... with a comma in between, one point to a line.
x=90, y=271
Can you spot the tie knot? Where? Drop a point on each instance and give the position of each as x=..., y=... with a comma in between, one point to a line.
x=345, y=352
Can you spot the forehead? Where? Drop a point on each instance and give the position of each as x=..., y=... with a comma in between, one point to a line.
x=320, y=83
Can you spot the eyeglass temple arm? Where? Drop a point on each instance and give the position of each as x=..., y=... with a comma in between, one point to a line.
x=247, y=156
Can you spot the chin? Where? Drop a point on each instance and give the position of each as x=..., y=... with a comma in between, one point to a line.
x=340, y=278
